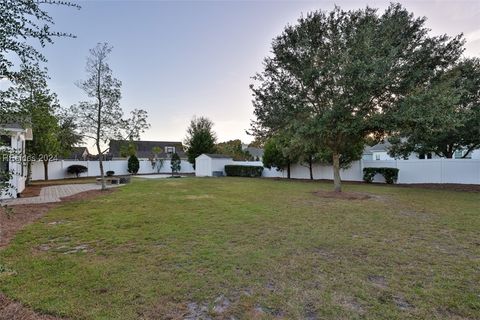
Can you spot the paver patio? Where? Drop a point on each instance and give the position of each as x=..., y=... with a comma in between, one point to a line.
x=55, y=193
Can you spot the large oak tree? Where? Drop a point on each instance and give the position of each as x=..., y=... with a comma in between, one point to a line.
x=335, y=75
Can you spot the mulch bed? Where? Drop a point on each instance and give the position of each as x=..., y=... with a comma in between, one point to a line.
x=343, y=195
x=21, y=216
x=433, y=186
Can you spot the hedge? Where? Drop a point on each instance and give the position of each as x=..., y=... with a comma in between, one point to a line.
x=243, y=171
x=390, y=174
x=76, y=169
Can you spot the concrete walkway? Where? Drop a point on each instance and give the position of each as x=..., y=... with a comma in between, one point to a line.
x=54, y=193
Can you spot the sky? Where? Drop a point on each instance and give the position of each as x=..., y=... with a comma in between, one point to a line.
x=180, y=59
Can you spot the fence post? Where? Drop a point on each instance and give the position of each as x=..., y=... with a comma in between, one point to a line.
x=361, y=170
x=441, y=170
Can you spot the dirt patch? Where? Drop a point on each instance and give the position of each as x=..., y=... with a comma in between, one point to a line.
x=436, y=186
x=11, y=310
x=348, y=303
x=343, y=195
x=25, y=214
x=198, y=197
x=444, y=186
x=402, y=303
x=33, y=190
x=378, y=281
x=21, y=216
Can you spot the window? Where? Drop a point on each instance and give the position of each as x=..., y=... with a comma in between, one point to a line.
x=5, y=140
x=4, y=168
x=377, y=156
x=460, y=153
x=169, y=150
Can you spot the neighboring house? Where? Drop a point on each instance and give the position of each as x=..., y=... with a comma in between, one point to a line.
x=145, y=149
x=13, y=137
x=78, y=154
x=208, y=165
x=257, y=153
x=380, y=152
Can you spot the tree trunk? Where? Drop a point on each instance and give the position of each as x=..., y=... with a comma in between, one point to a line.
x=337, y=182
x=100, y=161
x=288, y=171
x=45, y=169
x=448, y=152
x=29, y=172
x=310, y=164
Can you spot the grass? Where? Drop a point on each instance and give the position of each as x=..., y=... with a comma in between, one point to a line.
x=252, y=249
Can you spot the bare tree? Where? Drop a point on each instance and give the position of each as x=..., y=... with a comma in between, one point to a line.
x=100, y=118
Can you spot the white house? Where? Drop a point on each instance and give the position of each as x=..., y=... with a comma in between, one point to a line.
x=380, y=152
x=209, y=165
x=13, y=137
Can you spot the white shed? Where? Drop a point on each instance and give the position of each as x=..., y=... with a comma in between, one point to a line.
x=208, y=165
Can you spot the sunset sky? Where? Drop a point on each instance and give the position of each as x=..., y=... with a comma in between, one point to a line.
x=179, y=59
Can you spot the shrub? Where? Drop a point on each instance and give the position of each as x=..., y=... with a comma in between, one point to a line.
x=175, y=163
x=76, y=169
x=110, y=173
x=133, y=164
x=390, y=174
x=243, y=171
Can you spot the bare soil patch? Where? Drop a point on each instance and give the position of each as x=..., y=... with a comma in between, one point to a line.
x=25, y=214
x=343, y=195
x=198, y=197
x=12, y=310
x=435, y=186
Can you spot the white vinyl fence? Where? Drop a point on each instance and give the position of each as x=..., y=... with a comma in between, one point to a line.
x=58, y=169
x=462, y=171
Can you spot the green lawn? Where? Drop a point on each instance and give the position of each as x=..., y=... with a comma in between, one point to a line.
x=252, y=249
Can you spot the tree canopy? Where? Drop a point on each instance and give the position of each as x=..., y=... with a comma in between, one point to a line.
x=234, y=149
x=23, y=24
x=101, y=117
x=200, y=138
x=334, y=76
x=443, y=119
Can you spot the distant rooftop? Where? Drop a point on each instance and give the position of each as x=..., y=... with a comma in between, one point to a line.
x=380, y=147
x=217, y=156
x=145, y=148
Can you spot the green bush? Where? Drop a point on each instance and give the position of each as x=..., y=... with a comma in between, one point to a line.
x=76, y=169
x=133, y=164
x=243, y=171
x=390, y=174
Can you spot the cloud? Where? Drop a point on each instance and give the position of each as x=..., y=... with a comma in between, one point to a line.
x=473, y=36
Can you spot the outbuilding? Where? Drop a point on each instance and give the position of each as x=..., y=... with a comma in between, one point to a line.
x=210, y=165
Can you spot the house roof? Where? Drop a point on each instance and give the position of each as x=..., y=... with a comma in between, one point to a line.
x=145, y=148
x=255, y=152
x=11, y=126
x=381, y=147
x=17, y=127
x=77, y=153
x=217, y=156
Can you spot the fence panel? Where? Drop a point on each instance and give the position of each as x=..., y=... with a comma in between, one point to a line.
x=58, y=169
x=463, y=171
